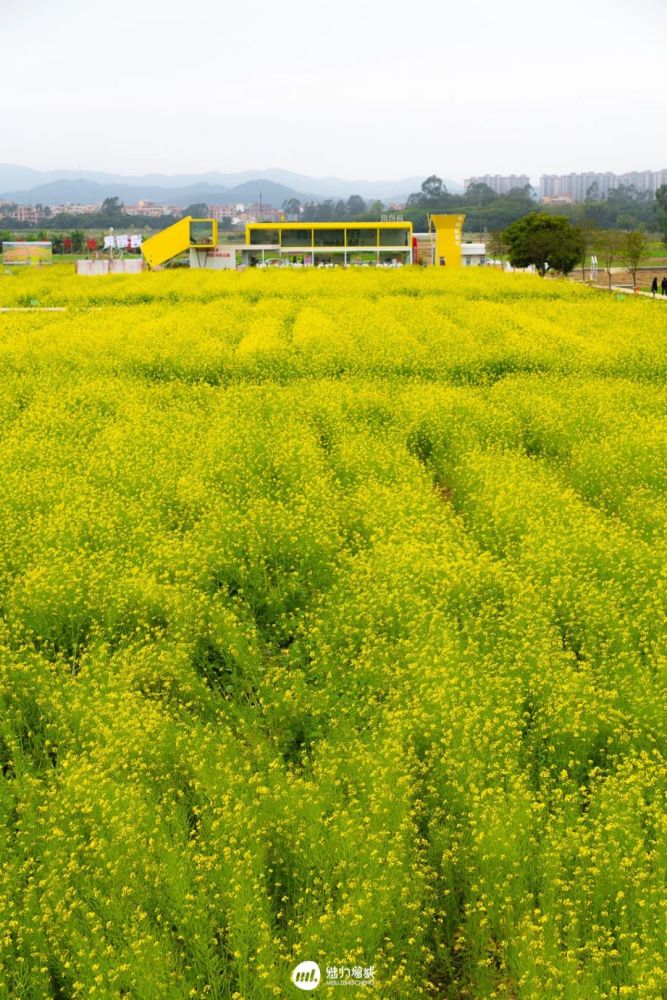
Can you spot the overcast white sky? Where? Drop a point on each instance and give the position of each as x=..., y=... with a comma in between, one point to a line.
x=357, y=88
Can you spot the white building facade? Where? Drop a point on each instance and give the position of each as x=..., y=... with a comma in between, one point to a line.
x=498, y=183
x=578, y=186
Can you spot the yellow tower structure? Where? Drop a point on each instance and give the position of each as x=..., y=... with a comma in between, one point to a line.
x=447, y=243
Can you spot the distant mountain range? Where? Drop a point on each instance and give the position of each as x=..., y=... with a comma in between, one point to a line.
x=26, y=186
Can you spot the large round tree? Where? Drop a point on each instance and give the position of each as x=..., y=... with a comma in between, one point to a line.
x=548, y=242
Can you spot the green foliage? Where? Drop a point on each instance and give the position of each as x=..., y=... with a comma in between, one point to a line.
x=661, y=199
x=433, y=191
x=480, y=193
x=624, y=208
x=635, y=250
x=355, y=209
x=482, y=208
x=292, y=206
x=545, y=242
x=355, y=206
x=112, y=207
x=78, y=238
x=609, y=245
x=198, y=210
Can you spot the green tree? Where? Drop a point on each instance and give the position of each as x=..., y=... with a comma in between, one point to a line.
x=588, y=237
x=635, y=250
x=608, y=245
x=374, y=211
x=292, y=206
x=112, y=207
x=77, y=236
x=661, y=202
x=496, y=246
x=547, y=242
x=198, y=210
x=433, y=189
x=480, y=193
x=5, y=236
x=319, y=211
x=593, y=193
x=432, y=197
x=355, y=207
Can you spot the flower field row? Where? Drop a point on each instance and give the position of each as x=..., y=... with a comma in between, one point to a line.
x=333, y=629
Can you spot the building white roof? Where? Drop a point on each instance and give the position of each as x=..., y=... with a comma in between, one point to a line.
x=473, y=249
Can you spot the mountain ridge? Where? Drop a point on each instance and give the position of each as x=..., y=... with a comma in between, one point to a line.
x=25, y=185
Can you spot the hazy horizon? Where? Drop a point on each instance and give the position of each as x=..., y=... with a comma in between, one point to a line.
x=371, y=91
x=261, y=171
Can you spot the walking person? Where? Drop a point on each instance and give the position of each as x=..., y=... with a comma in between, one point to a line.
x=663, y=285
x=654, y=287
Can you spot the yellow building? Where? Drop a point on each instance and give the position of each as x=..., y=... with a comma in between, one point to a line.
x=313, y=243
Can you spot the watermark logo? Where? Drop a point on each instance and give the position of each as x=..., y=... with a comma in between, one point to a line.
x=350, y=975
x=306, y=976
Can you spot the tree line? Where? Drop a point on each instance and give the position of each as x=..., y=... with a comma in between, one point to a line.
x=111, y=213
x=624, y=207
x=354, y=209
x=553, y=244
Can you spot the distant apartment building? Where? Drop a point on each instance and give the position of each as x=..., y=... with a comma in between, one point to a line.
x=558, y=199
x=74, y=209
x=577, y=186
x=28, y=213
x=262, y=213
x=499, y=184
x=221, y=212
x=152, y=209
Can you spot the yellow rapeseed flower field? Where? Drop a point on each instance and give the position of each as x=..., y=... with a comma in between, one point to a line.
x=333, y=630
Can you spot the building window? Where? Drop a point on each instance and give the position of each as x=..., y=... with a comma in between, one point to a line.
x=329, y=237
x=296, y=237
x=269, y=236
x=201, y=233
x=362, y=237
x=394, y=237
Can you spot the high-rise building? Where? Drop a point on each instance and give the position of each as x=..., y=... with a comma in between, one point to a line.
x=598, y=185
x=498, y=183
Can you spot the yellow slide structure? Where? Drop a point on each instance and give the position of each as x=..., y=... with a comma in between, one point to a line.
x=185, y=234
